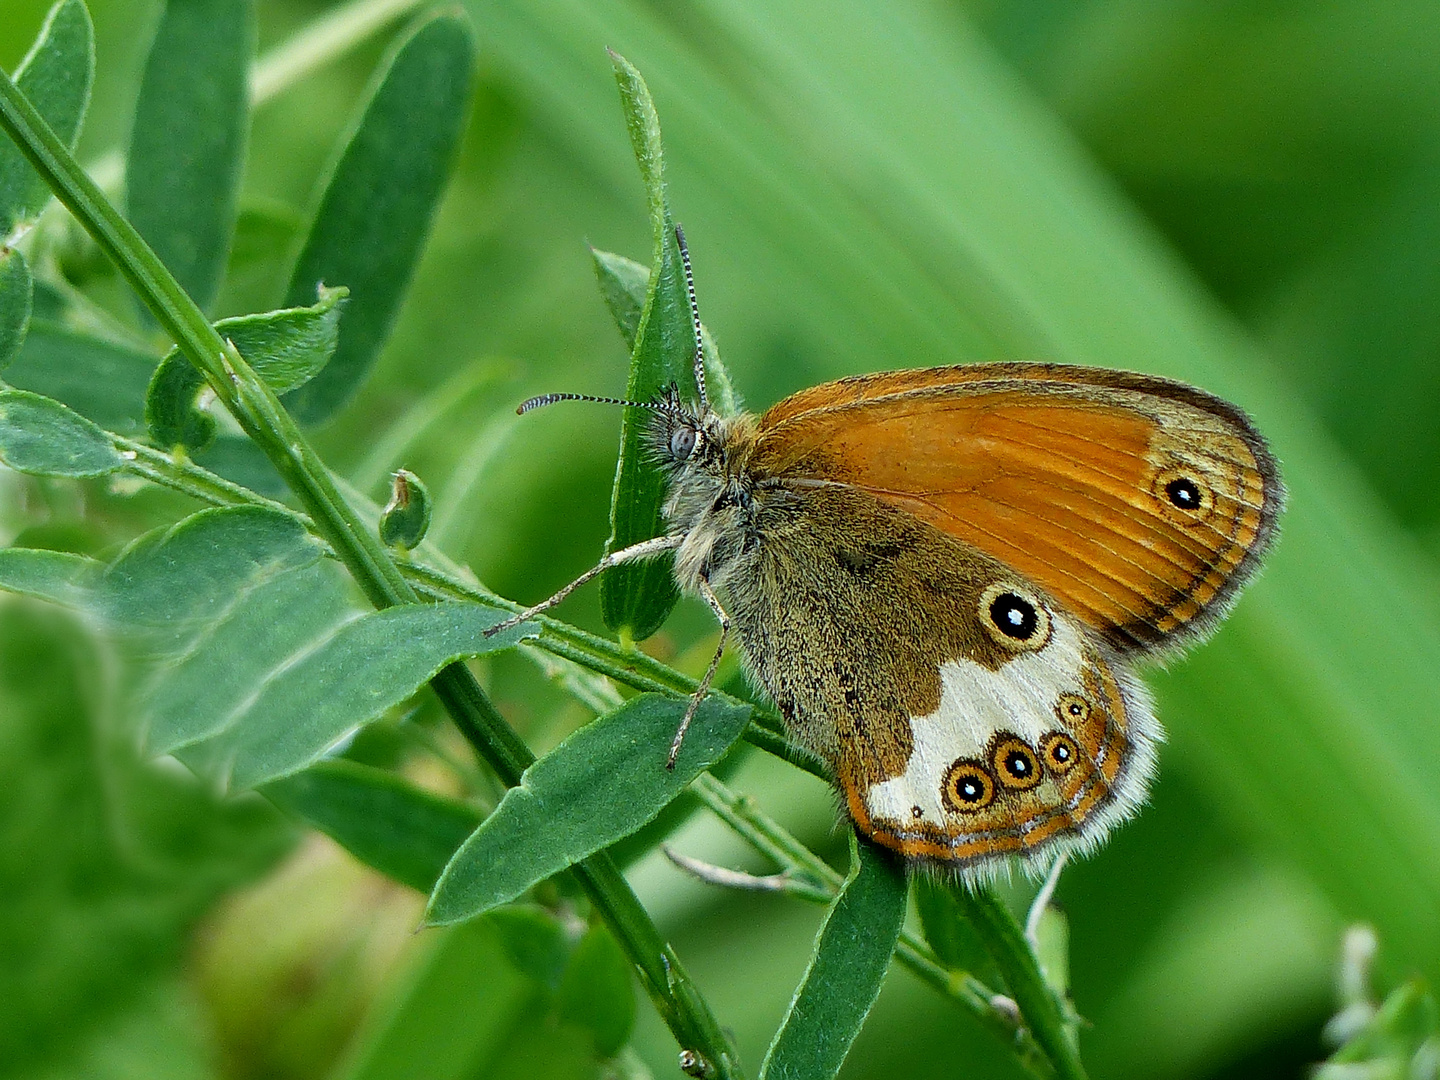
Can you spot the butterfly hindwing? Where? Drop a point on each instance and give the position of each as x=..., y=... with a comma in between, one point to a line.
x=965, y=713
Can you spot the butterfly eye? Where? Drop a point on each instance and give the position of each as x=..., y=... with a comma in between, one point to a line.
x=1059, y=752
x=1014, y=617
x=967, y=787
x=682, y=442
x=1016, y=764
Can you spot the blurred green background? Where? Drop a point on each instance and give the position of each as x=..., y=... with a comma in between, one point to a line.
x=1246, y=195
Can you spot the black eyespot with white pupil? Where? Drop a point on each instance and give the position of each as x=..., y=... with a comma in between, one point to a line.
x=1014, y=616
x=1059, y=752
x=682, y=442
x=1184, y=493
x=1015, y=763
x=967, y=787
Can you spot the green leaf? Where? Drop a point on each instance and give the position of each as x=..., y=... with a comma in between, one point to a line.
x=596, y=787
x=102, y=381
x=172, y=584
x=187, y=148
x=43, y=437
x=852, y=953
x=386, y=822
x=269, y=618
x=624, y=284
x=638, y=597
x=598, y=991
x=957, y=945
x=16, y=287
x=57, y=576
x=286, y=348
x=175, y=590
x=380, y=198
x=310, y=701
x=55, y=75
x=1395, y=1035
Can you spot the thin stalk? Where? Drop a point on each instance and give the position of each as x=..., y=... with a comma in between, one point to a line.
x=264, y=419
x=1005, y=941
x=807, y=871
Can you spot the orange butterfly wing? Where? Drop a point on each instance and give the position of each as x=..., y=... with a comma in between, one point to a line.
x=1139, y=503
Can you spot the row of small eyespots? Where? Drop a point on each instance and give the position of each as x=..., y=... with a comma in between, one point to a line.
x=971, y=784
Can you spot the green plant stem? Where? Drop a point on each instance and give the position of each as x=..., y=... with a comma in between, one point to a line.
x=809, y=871
x=1043, y=1012
x=265, y=420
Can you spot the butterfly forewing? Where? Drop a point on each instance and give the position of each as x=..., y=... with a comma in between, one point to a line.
x=1141, y=505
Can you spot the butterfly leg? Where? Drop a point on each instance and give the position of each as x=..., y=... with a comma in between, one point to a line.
x=700, y=691
x=643, y=550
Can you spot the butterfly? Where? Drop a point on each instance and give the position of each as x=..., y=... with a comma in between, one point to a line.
x=944, y=579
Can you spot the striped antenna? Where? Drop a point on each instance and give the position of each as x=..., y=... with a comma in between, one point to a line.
x=550, y=399
x=694, y=315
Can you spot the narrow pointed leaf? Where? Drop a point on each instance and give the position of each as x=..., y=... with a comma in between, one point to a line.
x=102, y=381
x=383, y=820
x=57, y=576
x=310, y=702
x=171, y=585
x=638, y=597
x=1016, y=960
x=852, y=953
x=624, y=284
x=286, y=348
x=55, y=75
x=955, y=940
x=268, y=619
x=380, y=198
x=187, y=148
x=43, y=437
x=597, y=787
x=16, y=290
